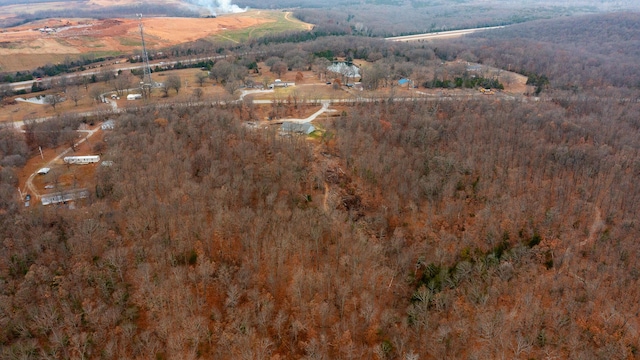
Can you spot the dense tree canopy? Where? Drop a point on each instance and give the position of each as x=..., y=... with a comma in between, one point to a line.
x=427, y=228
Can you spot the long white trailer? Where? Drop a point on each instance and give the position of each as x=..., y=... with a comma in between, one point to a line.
x=66, y=196
x=81, y=160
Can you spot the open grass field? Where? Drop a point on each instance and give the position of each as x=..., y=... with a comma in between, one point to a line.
x=278, y=22
x=26, y=47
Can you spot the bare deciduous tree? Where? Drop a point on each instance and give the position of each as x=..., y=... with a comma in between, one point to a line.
x=279, y=68
x=73, y=94
x=53, y=100
x=201, y=78
x=173, y=82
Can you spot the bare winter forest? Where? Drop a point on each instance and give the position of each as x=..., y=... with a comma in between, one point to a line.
x=471, y=227
x=399, y=17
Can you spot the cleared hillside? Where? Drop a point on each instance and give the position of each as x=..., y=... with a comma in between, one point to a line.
x=28, y=46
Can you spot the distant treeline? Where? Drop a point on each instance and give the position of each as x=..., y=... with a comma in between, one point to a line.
x=466, y=82
x=120, y=11
x=280, y=4
x=51, y=69
x=104, y=13
x=394, y=18
x=580, y=52
x=19, y=2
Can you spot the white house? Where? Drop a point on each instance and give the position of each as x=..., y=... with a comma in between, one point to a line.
x=344, y=69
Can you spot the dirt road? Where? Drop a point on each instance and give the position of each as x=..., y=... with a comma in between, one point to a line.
x=30, y=188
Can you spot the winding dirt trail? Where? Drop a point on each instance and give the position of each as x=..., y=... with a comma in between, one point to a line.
x=595, y=228
x=287, y=17
x=326, y=196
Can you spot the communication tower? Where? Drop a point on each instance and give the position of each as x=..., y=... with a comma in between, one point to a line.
x=147, y=83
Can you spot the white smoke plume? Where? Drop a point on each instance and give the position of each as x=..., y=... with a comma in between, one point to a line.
x=217, y=7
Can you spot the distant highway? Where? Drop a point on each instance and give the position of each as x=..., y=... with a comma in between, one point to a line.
x=441, y=34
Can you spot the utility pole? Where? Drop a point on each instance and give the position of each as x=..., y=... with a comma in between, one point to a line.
x=147, y=82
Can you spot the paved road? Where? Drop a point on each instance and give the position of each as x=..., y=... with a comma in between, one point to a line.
x=324, y=108
x=19, y=124
x=26, y=85
x=441, y=34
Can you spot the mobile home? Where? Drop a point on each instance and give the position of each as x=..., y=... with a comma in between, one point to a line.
x=81, y=160
x=134, y=96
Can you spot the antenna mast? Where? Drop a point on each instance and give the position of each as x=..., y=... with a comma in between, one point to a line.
x=147, y=82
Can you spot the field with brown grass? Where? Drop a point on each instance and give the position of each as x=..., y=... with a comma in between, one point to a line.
x=26, y=46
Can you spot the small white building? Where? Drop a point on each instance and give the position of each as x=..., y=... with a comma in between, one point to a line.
x=134, y=96
x=108, y=125
x=43, y=171
x=81, y=160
